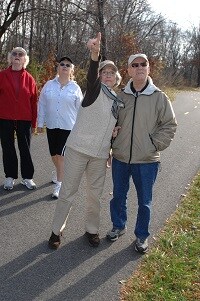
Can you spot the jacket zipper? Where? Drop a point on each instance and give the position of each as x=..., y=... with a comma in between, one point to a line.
x=133, y=127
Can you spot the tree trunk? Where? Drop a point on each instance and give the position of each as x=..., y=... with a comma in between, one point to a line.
x=102, y=28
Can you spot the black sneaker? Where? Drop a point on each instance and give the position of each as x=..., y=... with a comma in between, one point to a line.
x=54, y=241
x=93, y=239
x=115, y=233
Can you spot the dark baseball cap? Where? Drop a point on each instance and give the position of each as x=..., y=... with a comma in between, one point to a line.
x=65, y=58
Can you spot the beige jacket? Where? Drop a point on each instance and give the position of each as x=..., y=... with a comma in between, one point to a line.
x=148, y=125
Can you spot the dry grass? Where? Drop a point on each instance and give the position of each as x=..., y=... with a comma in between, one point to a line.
x=171, y=271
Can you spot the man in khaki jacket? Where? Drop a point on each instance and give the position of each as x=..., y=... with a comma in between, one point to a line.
x=147, y=126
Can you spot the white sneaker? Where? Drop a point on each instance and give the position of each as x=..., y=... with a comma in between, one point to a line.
x=141, y=245
x=9, y=183
x=56, y=191
x=54, y=177
x=28, y=183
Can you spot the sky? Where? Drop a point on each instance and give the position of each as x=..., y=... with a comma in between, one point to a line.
x=185, y=13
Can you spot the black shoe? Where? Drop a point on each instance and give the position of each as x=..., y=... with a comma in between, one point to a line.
x=93, y=239
x=54, y=241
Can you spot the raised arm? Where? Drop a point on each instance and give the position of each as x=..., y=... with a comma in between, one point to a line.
x=93, y=81
x=94, y=47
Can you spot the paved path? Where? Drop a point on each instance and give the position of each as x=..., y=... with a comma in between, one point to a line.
x=29, y=271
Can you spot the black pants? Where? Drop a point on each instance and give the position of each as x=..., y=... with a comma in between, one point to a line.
x=22, y=128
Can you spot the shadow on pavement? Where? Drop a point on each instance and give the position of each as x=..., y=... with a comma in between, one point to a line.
x=40, y=268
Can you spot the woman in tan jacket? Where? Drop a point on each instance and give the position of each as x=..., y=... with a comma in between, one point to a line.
x=88, y=146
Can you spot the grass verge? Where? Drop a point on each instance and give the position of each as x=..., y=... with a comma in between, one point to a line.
x=171, y=269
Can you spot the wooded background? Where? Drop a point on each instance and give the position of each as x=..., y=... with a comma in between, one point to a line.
x=48, y=29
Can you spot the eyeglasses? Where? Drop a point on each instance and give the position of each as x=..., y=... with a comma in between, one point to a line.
x=136, y=65
x=108, y=73
x=20, y=54
x=66, y=65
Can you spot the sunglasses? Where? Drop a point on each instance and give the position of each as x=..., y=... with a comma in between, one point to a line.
x=136, y=65
x=20, y=54
x=66, y=65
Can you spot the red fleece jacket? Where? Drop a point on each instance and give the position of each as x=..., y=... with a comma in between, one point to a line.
x=22, y=106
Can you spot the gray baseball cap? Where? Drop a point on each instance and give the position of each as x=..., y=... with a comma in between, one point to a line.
x=135, y=56
x=107, y=62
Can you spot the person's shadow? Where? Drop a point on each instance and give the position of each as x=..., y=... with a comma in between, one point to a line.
x=36, y=270
x=19, y=192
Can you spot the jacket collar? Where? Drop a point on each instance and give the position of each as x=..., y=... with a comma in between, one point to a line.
x=148, y=89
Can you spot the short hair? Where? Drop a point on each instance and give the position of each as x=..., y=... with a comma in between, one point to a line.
x=117, y=76
x=118, y=79
x=18, y=49
x=72, y=77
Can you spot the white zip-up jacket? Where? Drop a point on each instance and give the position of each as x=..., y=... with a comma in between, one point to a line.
x=148, y=125
x=58, y=106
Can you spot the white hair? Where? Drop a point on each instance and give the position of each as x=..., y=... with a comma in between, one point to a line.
x=118, y=79
x=18, y=49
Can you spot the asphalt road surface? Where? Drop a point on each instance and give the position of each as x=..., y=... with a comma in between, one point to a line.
x=29, y=271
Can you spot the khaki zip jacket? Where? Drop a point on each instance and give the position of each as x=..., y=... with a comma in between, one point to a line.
x=148, y=125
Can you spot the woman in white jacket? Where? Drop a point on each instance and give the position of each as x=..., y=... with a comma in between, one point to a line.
x=59, y=101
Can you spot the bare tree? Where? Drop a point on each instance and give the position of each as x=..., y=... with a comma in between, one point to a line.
x=10, y=11
x=51, y=28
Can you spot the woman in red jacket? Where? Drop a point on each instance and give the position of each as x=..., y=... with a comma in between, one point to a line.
x=18, y=114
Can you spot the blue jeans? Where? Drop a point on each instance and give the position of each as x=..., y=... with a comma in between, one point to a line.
x=143, y=176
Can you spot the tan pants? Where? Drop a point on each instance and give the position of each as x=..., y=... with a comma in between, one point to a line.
x=75, y=165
